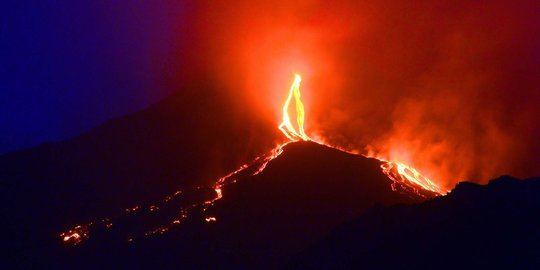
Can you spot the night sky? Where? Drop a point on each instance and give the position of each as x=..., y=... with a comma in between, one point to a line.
x=67, y=66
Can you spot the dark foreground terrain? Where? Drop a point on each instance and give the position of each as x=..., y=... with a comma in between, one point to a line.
x=495, y=226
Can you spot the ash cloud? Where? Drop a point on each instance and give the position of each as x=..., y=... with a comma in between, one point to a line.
x=452, y=89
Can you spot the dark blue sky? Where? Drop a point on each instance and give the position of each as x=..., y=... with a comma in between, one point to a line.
x=67, y=66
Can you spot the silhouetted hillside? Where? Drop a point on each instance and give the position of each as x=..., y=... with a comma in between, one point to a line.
x=189, y=139
x=495, y=226
x=297, y=199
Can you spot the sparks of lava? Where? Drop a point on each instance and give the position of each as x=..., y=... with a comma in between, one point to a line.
x=286, y=126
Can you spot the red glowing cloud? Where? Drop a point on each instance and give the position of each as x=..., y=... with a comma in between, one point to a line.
x=451, y=89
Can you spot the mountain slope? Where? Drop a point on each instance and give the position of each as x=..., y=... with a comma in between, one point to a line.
x=300, y=196
x=262, y=220
x=189, y=139
x=473, y=227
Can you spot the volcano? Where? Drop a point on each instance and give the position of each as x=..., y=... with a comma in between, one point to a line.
x=132, y=179
x=166, y=188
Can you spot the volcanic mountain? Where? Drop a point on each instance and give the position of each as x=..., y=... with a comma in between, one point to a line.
x=166, y=188
x=134, y=178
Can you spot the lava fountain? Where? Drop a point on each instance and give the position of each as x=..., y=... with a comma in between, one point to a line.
x=286, y=126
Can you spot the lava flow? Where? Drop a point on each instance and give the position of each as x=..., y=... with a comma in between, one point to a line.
x=80, y=233
x=402, y=176
x=286, y=126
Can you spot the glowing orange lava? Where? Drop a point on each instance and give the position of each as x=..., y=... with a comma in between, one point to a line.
x=75, y=235
x=286, y=126
x=210, y=219
x=401, y=173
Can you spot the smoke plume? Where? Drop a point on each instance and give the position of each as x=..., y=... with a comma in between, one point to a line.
x=453, y=89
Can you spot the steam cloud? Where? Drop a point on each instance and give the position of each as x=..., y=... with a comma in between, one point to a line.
x=452, y=89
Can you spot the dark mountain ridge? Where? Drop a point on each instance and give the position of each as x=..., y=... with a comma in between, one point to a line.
x=492, y=226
